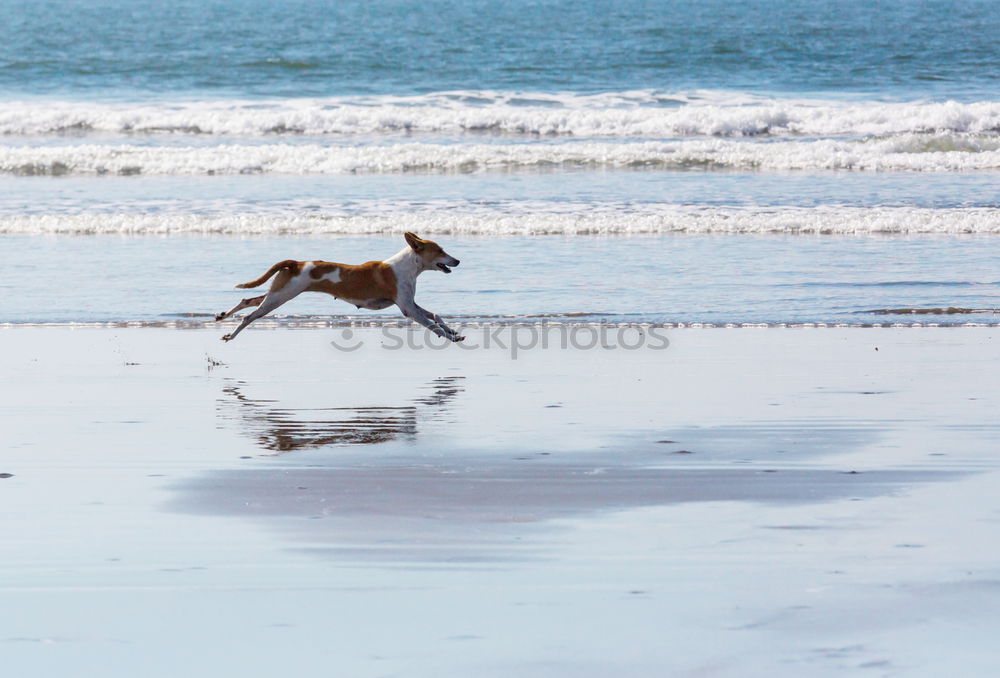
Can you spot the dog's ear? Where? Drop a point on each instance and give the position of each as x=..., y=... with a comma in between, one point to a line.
x=415, y=243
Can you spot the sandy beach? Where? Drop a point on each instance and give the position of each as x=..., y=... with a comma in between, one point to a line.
x=742, y=502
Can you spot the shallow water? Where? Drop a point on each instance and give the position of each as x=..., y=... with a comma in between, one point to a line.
x=715, y=279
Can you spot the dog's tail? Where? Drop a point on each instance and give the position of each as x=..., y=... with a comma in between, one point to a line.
x=287, y=263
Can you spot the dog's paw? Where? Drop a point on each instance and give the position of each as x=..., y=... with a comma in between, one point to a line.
x=457, y=338
x=220, y=316
x=227, y=337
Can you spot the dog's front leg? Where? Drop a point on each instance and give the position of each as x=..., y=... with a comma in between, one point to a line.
x=414, y=312
x=449, y=333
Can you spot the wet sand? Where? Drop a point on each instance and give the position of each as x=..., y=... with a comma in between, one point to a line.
x=743, y=503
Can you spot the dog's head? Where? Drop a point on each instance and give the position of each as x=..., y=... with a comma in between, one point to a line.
x=431, y=254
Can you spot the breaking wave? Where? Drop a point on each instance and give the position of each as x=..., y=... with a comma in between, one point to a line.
x=907, y=152
x=581, y=219
x=643, y=114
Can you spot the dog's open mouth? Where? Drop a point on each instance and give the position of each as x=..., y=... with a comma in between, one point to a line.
x=444, y=268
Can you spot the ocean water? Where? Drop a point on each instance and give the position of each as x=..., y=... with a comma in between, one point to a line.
x=792, y=162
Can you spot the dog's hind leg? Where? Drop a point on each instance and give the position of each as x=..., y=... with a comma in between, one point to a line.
x=245, y=303
x=283, y=289
x=271, y=302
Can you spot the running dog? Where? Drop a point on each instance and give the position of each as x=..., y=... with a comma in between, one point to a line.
x=374, y=285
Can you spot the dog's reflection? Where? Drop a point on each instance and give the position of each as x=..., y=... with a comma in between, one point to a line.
x=280, y=429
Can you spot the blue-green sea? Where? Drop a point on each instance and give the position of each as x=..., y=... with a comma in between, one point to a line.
x=736, y=162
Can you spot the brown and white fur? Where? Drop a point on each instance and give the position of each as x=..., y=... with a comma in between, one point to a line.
x=374, y=285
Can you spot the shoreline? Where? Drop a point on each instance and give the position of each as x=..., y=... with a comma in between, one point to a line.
x=557, y=321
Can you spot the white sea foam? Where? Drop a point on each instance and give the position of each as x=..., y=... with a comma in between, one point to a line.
x=562, y=219
x=643, y=114
x=909, y=152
